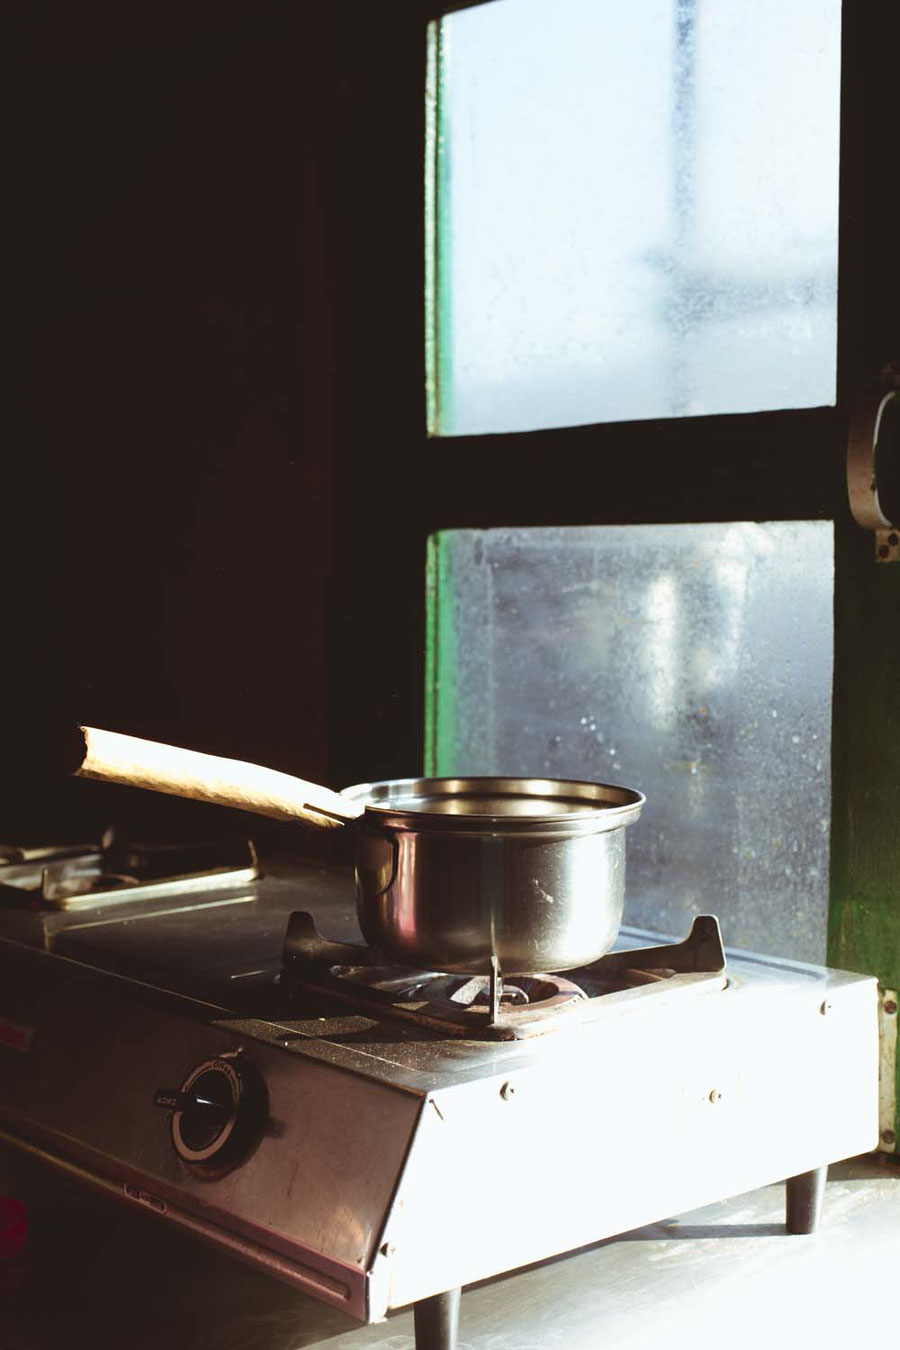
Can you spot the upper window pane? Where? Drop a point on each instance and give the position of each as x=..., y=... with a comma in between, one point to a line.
x=632, y=210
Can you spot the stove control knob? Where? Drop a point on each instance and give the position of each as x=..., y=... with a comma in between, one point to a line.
x=218, y=1114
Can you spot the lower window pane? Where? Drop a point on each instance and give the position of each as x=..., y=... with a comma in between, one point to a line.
x=690, y=661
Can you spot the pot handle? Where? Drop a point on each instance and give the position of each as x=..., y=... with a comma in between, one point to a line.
x=115, y=758
x=372, y=882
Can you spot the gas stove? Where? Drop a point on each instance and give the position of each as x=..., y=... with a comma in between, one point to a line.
x=218, y=1048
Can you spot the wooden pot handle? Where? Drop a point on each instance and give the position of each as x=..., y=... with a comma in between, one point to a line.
x=114, y=758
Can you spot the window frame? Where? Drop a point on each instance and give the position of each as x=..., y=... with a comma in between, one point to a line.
x=396, y=487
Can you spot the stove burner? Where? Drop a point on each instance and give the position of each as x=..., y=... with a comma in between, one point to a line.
x=527, y=989
x=466, y=991
x=484, y=1006
x=74, y=877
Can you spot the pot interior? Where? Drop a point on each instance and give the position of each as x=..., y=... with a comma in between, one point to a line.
x=523, y=799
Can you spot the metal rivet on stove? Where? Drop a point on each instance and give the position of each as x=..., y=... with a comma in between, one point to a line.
x=715, y=1096
x=388, y=1249
x=507, y=1091
x=825, y=1007
x=888, y=1137
x=890, y=1006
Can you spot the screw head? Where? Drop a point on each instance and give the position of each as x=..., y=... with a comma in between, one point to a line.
x=893, y=540
x=507, y=1091
x=883, y=550
x=888, y=1137
x=890, y=1006
x=388, y=1249
x=826, y=1006
x=715, y=1097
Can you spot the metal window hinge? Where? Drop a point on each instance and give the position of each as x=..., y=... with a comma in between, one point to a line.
x=873, y=451
x=888, y=1019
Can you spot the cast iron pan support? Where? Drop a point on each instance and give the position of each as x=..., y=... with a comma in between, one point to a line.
x=437, y=1321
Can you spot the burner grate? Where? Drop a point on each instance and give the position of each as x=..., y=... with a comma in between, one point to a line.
x=117, y=871
x=44, y=892
x=482, y=1006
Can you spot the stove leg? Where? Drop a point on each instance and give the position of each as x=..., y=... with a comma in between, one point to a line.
x=437, y=1321
x=804, y=1200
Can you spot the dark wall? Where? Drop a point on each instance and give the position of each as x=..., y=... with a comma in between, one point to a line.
x=167, y=523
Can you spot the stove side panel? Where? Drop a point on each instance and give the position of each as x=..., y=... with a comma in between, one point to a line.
x=78, y=1082
x=630, y=1122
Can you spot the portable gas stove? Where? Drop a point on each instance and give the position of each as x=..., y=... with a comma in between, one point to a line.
x=214, y=1046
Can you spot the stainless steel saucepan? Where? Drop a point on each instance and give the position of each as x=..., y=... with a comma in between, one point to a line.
x=453, y=874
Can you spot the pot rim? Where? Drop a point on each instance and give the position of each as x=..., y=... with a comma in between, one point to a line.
x=586, y=807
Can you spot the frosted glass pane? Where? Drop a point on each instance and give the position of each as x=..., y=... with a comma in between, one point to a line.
x=692, y=662
x=633, y=210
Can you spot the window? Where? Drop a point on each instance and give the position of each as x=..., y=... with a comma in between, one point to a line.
x=631, y=215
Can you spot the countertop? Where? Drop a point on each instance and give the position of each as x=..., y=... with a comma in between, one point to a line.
x=100, y=1275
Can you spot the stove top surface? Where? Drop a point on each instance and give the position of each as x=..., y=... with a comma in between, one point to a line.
x=218, y=952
